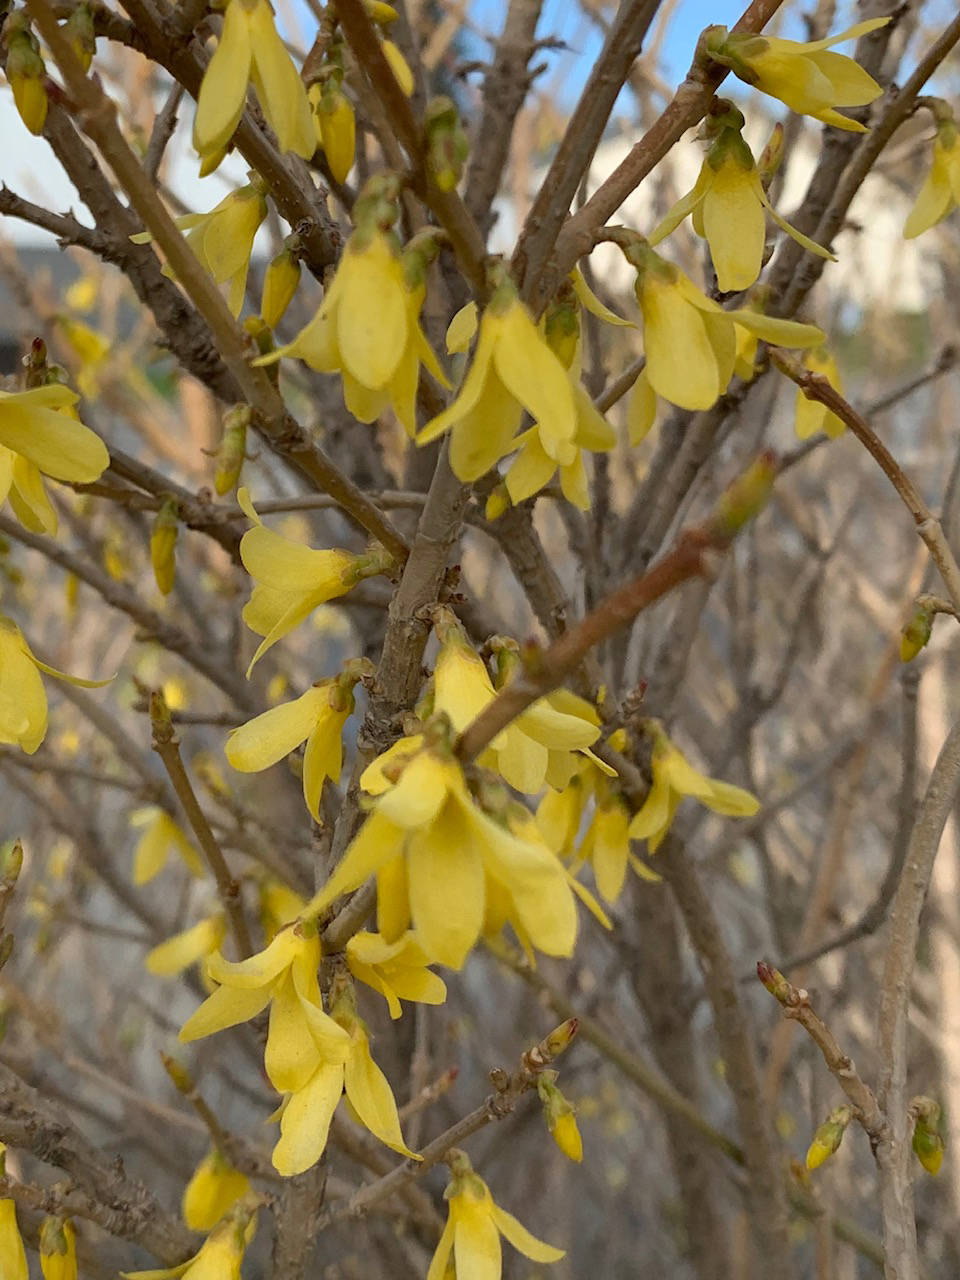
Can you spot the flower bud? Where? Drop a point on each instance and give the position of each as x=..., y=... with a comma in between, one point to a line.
x=58, y=1249
x=163, y=542
x=336, y=127
x=916, y=634
x=279, y=285
x=560, y=1116
x=497, y=502
x=745, y=498
x=233, y=448
x=927, y=1138
x=26, y=73
x=79, y=30
x=447, y=145
x=771, y=157
x=827, y=1139
x=399, y=66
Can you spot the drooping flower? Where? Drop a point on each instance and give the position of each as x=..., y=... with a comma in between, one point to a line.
x=174, y=955
x=213, y=1190
x=810, y=416
x=728, y=205
x=223, y=238
x=513, y=369
x=803, y=74
x=23, y=699
x=471, y=1238
x=291, y=580
x=350, y=1070
x=58, y=1249
x=161, y=837
x=673, y=778
x=397, y=969
x=250, y=50
x=39, y=432
x=690, y=342
x=220, y=1257
x=367, y=328
x=940, y=193
x=450, y=847
x=316, y=717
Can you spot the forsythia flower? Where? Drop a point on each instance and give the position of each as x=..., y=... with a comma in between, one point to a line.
x=220, y=1257
x=397, y=969
x=368, y=327
x=940, y=193
x=673, y=778
x=223, y=238
x=291, y=580
x=58, y=1249
x=690, y=341
x=804, y=75
x=39, y=432
x=184, y=949
x=471, y=1238
x=212, y=1191
x=153, y=848
x=513, y=369
x=23, y=699
x=606, y=844
x=728, y=204
x=251, y=49
x=552, y=727
x=280, y=282
x=305, y=1118
x=317, y=717
x=810, y=416
x=336, y=126
x=561, y=1117
x=450, y=848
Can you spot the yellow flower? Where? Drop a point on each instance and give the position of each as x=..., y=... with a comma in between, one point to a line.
x=23, y=700
x=41, y=427
x=728, y=204
x=606, y=845
x=368, y=327
x=153, y=848
x=317, y=717
x=513, y=369
x=336, y=126
x=283, y=976
x=223, y=238
x=251, y=49
x=220, y=1257
x=291, y=580
x=471, y=1238
x=940, y=193
x=212, y=1191
x=351, y=1070
x=22, y=483
x=13, y=1259
x=450, y=848
x=280, y=282
x=534, y=745
x=810, y=416
x=690, y=341
x=398, y=969
x=673, y=778
x=184, y=949
x=58, y=1249
x=804, y=75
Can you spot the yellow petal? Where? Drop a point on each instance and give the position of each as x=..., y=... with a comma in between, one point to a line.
x=186, y=948
x=212, y=1191
x=290, y=1057
x=224, y=89
x=476, y=1244
x=289, y=566
x=446, y=887
x=534, y=376
x=227, y=1007
x=590, y=302
x=305, y=1122
x=483, y=434
x=372, y=315
x=438, y=1263
x=935, y=198
x=681, y=365
x=461, y=329
x=420, y=793
x=281, y=91
x=371, y=1097
x=13, y=1259
x=260, y=969
x=654, y=814
x=521, y=1239
x=23, y=700
x=374, y=844
x=59, y=445
x=322, y=759
x=734, y=226
x=641, y=409
x=269, y=737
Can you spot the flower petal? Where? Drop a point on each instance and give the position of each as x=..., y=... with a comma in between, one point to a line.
x=305, y=1122
x=521, y=1238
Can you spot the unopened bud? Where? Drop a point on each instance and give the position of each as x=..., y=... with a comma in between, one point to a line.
x=776, y=983
x=562, y=327
x=560, y=1116
x=280, y=282
x=6, y=948
x=163, y=542
x=828, y=1137
x=233, y=448
x=447, y=146
x=916, y=634
x=771, y=157
x=559, y=1039
x=178, y=1073
x=927, y=1139
x=336, y=127
x=79, y=30
x=399, y=66
x=498, y=501
x=11, y=864
x=745, y=498
x=26, y=74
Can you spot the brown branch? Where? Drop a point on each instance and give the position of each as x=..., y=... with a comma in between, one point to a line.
x=815, y=387
x=795, y=1003
x=167, y=746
